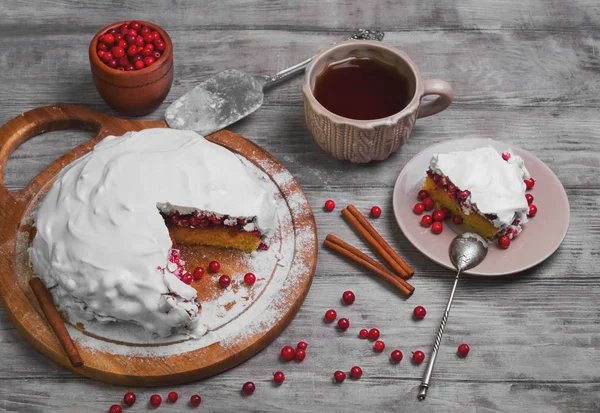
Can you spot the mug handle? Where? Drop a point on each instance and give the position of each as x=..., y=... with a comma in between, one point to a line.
x=445, y=94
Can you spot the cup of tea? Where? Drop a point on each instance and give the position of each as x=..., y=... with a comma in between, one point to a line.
x=362, y=98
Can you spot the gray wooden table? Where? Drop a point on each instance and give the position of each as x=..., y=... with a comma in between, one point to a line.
x=524, y=71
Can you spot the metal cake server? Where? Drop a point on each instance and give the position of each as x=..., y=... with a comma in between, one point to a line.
x=466, y=251
x=232, y=95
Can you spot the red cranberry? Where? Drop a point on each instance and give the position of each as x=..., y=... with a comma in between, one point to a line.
x=139, y=64
x=422, y=194
x=396, y=356
x=155, y=36
x=124, y=61
x=115, y=408
x=224, y=281
x=438, y=215
x=419, y=208
x=303, y=345
x=426, y=221
x=112, y=31
x=375, y=212
x=156, y=55
x=214, y=266
x=129, y=68
x=135, y=25
x=144, y=30
x=339, y=376
x=195, y=400
x=464, y=194
x=124, y=28
x=300, y=354
x=134, y=59
x=107, y=57
x=187, y=278
x=102, y=46
x=160, y=45
x=131, y=40
x=463, y=350
x=529, y=183
x=147, y=37
x=418, y=357
x=139, y=41
x=428, y=204
x=248, y=388
x=329, y=205
x=343, y=324
x=172, y=397
x=419, y=312
x=278, y=377
x=129, y=399
x=457, y=219
x=446, y=212
x=148, y=60
x=506, y=156
x=356, y=372
x=146, y=52
x=249, y=279
x=155, y=400
x=532, y=210
x=288, y=353
x=101, y=54
x=529, y=198
x=374, y=334
x=504, y=242
x=364, y=333
x=379, y=346
x=348, y=297
x=330, y=315
x=108, y=38
x=437, y=227
x=149, y=46
x=132, y=50
x=113, y=64
x=198, y=273
x=122, y=43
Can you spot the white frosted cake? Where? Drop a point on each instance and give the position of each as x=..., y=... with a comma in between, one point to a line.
x=102, y=245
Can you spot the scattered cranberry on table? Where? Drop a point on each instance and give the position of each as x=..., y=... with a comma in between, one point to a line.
x=364, y=333
x=288, y=353
x=129, y=399
x=195, y=400
x=303, y=345
x=130, y=45
x=504, y=242
x=356, y=372
x=457, y=219
x=532, y=210
x=348, y=297
x=428, y=204
x=419, y=208
x=422, y=194
x=396, y=356
x=249, y=279
x=300, y=354
x=329, y=205
x=172, y=397
x=426, y=221
x=379, y=346
x=330, y=315
x=198, y=273
x=418, y=357
x=506, y=156
x=438, y=215
x=529, y=183
x=155, y=400
x=343, y=324
x=463, y=350
x=187, y=278
x=375, y=212
x=278, y=377
x=529, y=198
x=115, y=408
x=374, y=334
x=419, y=312
x=248, y=388
x=339, y=376
x=437, y=227
x=214, y=266
x=224, y=281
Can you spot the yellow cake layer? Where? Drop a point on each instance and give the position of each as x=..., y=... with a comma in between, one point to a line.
x=476, y=222
x=218, y=236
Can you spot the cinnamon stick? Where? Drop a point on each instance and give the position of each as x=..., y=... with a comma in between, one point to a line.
x=362, y=225
x=346, y=250
x=55, y=320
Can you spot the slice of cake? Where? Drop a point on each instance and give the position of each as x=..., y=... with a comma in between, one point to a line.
x=102, y=246
x=485, y=188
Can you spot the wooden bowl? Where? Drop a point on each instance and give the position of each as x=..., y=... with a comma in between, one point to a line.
x=136, y=92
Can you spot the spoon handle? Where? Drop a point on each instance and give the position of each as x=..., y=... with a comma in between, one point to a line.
x=361, y=34
x=436, y=345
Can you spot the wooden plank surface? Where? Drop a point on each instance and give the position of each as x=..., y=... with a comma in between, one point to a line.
x=525, y=72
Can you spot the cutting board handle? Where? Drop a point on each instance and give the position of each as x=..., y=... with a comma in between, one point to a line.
x=51, y=118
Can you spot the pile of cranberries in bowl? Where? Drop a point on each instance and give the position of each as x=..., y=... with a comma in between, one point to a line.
x=131, y=46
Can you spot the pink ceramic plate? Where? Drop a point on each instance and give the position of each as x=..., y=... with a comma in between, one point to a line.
x=541, y=236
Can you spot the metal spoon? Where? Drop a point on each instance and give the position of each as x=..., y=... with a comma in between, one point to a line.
x=466, y=251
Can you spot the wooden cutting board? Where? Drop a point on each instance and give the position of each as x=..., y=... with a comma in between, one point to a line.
x=144, y=368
